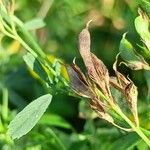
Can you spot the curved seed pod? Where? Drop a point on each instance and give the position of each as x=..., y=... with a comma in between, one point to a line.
x=97, y=71
x=84, y=40
x=97, y=105
x=131, y=96
x=114, y=82
x=84, y=49
x=103, y=75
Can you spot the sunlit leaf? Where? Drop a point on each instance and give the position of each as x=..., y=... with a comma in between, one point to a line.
x=35, y=66
x=144, y=51
x=132, y=59
x=142, y=27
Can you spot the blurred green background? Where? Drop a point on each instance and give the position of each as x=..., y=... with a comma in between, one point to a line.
x=64, y=20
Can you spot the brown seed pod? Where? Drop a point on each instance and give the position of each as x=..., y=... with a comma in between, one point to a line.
x=84, y=49
x=84, y=40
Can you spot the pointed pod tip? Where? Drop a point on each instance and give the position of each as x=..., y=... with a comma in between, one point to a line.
x=88, y=23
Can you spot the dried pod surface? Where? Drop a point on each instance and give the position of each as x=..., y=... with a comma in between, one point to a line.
x=126, y=86
x=84, y=49
x=96, y=85
x=97, y=71
x=131, y=96
x=78, y=84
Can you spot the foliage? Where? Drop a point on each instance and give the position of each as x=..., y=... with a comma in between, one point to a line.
x=113, y=99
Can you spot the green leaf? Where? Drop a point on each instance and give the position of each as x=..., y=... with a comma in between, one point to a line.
x=3, y=13
x=128, y=54
x=144, y=52
x=35, y=66
x=36, y=49
x=28, y=117
x=57, y=68
x=145, y=5
x=142, y=27
x=126, y=142
x=55, y=120
x=127, y=50
x=34, y=24
x=146, y=132
x=142, y=146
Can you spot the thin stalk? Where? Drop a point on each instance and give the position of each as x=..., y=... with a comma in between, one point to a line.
x=1, y=126
x=32, y=52
x=60, y=144
x=5, y=103
x=137, y=129
x=6, y=26
x=2, y=28
x=29, y=37
x=35, y=49
x=27, y=47
x=42, y=60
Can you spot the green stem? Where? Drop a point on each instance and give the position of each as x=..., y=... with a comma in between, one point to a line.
x=26, y=33
x=136, y=129
x=44, y=61
x=143, y=136
x=36, y=47
x=25, y=45
x=5, y=104
x=61, y=145
x=42, y=58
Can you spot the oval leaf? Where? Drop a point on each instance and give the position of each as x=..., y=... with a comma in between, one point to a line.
x=28, y=117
